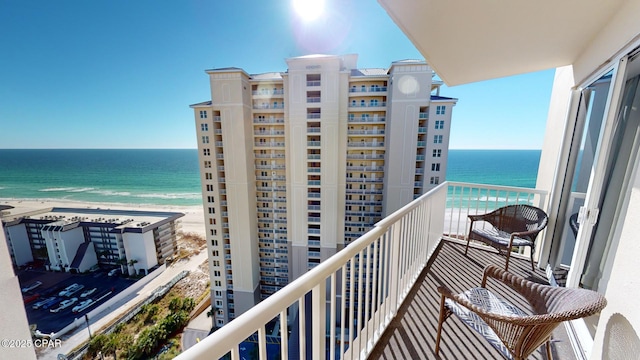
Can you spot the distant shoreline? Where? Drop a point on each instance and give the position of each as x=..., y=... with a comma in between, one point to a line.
x=192, y=221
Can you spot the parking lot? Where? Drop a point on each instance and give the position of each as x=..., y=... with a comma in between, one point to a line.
x=53, y=283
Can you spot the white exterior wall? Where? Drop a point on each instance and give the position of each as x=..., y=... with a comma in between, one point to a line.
x=141, y=247
x=89, y=260
x=19, y=244
x=409, y=90
x=230, y=92
x=67, y=242
x=13, y=317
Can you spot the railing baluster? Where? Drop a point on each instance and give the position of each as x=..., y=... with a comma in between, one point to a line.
x=284, y=334
x=366, y=302
x=343, y=285
x=262, y=343
x=351, y=327
x=360, y=296
x=319, y=317
x=332, y=321
x=374, y=288
x=302, y=337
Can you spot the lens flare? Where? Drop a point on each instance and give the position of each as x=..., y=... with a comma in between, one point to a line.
x=308, y=10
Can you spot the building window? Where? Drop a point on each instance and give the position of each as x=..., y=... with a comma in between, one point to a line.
x=439, y=124
x=440, y=110
x=216, y=273
x=205, y=139
x=216, y=253
x=373, y=102
x=209, y=187
x=203, y=114
x=212, y=210
x=204, y=127
x=210, y=199
x=437, y=139
x=435, y=167
x=437, y=152
x=218, y=283
x=208, y=176
x=435, y=180
x=207, y=164
x=206, y=152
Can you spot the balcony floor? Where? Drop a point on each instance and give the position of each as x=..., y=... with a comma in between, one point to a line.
x=412, y=334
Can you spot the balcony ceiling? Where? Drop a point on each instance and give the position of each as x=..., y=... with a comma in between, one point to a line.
x=466, y=41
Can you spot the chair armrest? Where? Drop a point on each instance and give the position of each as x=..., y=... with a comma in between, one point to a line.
x=476, y=217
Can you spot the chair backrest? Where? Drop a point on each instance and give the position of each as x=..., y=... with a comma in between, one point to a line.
x=551, y=305
x=518, y=218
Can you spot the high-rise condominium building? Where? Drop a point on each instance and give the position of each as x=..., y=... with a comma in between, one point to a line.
x=295, y=165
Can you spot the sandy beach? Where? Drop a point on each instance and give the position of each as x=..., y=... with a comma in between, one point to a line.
x=192, y=221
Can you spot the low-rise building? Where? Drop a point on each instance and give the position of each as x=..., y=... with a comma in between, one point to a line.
x=76, y=239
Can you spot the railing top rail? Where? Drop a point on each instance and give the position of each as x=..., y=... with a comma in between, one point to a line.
x=241, y=328
x=497, y=187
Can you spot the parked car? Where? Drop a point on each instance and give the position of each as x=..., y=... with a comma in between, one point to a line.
x=114, y=272
x=82, y=305
x=41, y=302
x=88, y=292
x=70, y=290
x=52, y=303
x=64, y=304
x=30, y=298
x=31, y=286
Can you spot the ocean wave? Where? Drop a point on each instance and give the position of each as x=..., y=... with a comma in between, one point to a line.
x=110, y=192
x=170, y=196
x=65, y=189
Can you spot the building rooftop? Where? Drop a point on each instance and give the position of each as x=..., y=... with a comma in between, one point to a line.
x=369, y=72
x=59, y=218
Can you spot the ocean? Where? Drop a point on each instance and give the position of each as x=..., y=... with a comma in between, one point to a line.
x=170, y=177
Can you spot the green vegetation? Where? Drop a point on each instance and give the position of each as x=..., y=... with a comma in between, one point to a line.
x=152, y=327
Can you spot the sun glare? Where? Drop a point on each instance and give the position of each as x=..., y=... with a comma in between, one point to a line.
x=308, y=10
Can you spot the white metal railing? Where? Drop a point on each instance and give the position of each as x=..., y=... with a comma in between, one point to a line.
x=346, y=304
x=465, y=198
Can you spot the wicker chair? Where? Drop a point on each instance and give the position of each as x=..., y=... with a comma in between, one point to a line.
x=513, y=225
x=515, y=334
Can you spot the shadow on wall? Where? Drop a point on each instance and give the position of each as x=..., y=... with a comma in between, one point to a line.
x=620, y=339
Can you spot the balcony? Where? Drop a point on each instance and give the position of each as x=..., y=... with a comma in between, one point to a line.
x=365, y=144
x=393, y=312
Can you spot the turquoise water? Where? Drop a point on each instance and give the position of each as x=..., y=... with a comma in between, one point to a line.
x=170, y=177
x=163, y=177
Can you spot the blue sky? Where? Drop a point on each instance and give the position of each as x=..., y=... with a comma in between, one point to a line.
x=121, y=74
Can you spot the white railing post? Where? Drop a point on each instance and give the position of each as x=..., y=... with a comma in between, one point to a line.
x=318, y=320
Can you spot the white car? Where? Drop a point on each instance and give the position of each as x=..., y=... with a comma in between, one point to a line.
x=31, y=286
x=88, y=292
x=71, y=289
x=65, y=304
x=83, y=305
x=114, y=272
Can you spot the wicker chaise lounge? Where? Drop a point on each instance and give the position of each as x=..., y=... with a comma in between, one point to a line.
x=514, y=333
x=512, y=226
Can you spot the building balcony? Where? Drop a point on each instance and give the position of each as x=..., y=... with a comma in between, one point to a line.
x=269, y=132
x=313, y=99
x=267, y=106
x=368, y=89
x=366, y=119
x=366, y=132
x=268, y=93
x=366, y=144
x=270, y=120
x=270, y=144
x=344, y=309
x=366, y=156
x=368, y=105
